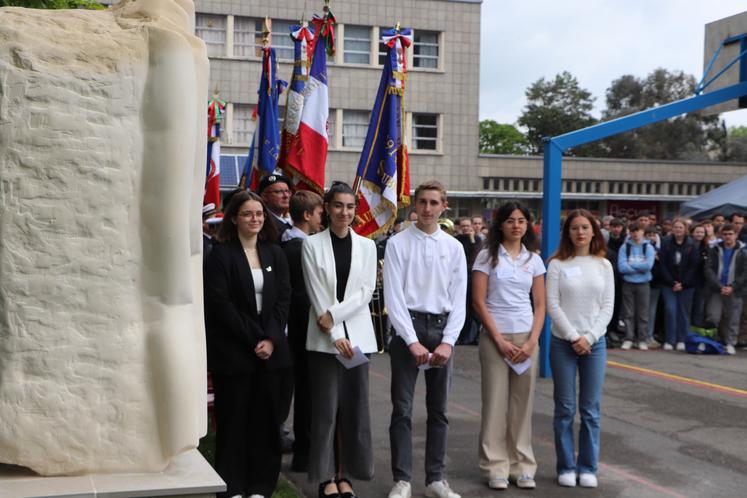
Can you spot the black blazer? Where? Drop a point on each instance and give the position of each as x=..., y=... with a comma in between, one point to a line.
x=298, y=321
x=233, y=326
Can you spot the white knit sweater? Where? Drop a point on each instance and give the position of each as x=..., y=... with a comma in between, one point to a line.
x=580, y=297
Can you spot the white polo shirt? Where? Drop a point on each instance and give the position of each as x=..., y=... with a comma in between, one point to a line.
x=509, y=284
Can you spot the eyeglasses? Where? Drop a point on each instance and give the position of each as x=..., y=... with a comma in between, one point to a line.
x=279, y=191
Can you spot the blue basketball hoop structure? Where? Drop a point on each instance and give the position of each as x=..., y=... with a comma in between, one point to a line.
x=555, y=146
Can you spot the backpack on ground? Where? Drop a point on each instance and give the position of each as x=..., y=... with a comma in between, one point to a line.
x=697, y=344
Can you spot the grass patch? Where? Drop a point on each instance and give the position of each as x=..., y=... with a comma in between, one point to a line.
x=207, y=448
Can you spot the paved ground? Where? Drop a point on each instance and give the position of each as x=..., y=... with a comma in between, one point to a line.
x=673, y=425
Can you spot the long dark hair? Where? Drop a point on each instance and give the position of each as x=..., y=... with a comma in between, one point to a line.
x=567, y=250
x=495, y=235
x=227, y=229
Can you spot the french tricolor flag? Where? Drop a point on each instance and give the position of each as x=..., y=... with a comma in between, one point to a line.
x=306, y=153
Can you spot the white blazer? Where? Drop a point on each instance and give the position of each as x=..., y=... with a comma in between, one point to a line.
x=321, y=286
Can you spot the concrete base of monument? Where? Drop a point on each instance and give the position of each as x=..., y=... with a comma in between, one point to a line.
x=188, y=475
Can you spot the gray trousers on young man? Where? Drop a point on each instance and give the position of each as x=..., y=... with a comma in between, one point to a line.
x=726, y=310
x=635, y=305
x=429, y=329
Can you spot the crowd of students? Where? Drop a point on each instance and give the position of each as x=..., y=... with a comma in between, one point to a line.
x=287, y=303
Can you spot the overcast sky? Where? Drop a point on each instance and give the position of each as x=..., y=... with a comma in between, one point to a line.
x=596, y=41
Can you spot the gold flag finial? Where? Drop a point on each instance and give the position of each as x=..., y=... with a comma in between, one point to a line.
x=266, y=32
x=216, y=92
x=397, y=26
x=326, y=6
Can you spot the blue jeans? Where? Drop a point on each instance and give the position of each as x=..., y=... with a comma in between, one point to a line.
x=565, y=362
x=677, y=309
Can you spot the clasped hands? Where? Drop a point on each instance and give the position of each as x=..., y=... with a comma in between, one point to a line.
x=517, y=354
x=438, y=358
x=264, y=349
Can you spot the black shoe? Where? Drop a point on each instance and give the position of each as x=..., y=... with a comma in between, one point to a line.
x=348, y=494
x=741, y=344
x=324, y=485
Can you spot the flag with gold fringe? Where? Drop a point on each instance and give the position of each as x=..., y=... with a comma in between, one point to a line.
x=382, y=181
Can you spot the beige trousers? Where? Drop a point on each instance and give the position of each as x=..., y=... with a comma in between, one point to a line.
x=507, y=398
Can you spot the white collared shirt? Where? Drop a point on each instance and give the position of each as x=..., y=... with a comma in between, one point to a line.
x=509, y=284
x=293, y=233
x=426, y=273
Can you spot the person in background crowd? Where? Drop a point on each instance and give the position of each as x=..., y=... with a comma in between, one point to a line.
x=276, y=193
x=738, y=221
x=710, y=236
x=666, y=227
x=654, y=325
x=208, y=211
x=247, y=295
x=306, y=211
x=425, y=288
x=634, y=261
x=680, y=261
x=606, y=221
x=726, y=274
x=700, y=296
x=580, y=297
x=339, y=268
x=505, y=273
x=718, y=221
x=616, y=239
x=644, y=220
x=652, y=219
x=467, y=237
x=478, y=225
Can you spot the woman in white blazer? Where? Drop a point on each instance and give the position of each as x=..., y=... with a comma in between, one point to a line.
x=340, y=275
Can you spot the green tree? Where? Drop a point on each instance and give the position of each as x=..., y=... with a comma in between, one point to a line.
x=497, y=138
x=736, y=144
x=52, y=4
x=692, y=136
x=555, y=107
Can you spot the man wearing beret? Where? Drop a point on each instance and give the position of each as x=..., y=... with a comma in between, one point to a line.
x=275, y=190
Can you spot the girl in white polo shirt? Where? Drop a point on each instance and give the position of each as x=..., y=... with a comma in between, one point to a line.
x=503, y=275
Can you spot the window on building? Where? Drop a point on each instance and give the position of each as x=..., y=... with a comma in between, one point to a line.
x=245, y=37
x=212, y=30
x=425, y=49
x=354, y=128
x=243, y=126
x=331, y=128
x=357, y=44
x=281, y=39
x=425, y=131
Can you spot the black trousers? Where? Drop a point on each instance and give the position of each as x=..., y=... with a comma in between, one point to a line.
x=301, y=408
x=247, y=454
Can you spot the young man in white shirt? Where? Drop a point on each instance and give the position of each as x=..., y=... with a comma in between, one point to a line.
x=425, y=286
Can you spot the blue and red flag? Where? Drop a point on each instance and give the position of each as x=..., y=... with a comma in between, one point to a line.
x=265, y=147
x=305, y=139
x=383, y=177
x=216, y=108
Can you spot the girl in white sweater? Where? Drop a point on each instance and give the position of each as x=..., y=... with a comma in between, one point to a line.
x=580, y=298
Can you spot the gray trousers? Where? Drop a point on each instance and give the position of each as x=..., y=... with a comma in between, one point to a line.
x=635, y=306
x=429, y=329
x=726, y=311
x=340, y=420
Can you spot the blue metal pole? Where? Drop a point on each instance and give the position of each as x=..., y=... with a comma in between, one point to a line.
x=649, y=116
x=550, y=231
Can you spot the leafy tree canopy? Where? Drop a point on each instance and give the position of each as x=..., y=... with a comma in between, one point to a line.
x=496, y=138
x=691, y=136
x=555, y=107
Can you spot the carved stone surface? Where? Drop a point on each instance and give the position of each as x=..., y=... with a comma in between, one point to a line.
x=102, y=153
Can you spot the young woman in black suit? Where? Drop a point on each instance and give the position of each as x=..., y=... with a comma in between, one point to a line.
x=247, y=295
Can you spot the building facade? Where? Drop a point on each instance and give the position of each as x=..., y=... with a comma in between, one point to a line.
x=441, y=104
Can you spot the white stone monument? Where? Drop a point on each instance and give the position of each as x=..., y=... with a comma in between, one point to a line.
x=102, y=163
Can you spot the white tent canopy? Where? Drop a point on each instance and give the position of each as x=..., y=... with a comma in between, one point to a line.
x=727, y=200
